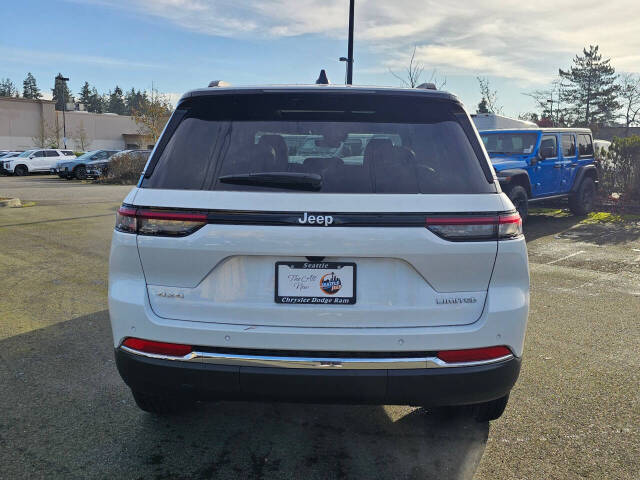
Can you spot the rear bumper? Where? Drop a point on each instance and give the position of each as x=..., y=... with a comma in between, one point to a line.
x=412, y=386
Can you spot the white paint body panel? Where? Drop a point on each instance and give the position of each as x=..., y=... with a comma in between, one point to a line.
x=216, y=286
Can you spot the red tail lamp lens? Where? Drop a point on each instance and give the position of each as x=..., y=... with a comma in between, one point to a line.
x=160, y=348
x=476, y=227
x=473, y=354
x=162, y=223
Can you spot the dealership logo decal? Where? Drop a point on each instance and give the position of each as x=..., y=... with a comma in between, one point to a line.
x=330, y=283
x=307, y=219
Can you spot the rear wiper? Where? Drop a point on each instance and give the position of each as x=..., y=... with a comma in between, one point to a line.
x=289, y=180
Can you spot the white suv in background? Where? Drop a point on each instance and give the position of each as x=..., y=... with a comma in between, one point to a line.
x=243, y=267
x=36, y=160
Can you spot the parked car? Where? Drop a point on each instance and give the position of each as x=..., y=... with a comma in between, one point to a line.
x=537, y=164
x=4, y=156
x=77, y=168
x=98, y=168
x=35, y=160
x=236, y=273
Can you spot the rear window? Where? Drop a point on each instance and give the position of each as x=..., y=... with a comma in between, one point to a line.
x=341, y=143
x=585, y=146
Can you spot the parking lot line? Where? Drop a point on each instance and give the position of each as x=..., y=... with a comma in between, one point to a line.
x=566, y=257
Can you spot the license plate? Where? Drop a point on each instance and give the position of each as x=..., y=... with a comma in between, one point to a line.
x=316, y=283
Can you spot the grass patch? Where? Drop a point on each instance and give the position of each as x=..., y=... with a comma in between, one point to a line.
x=550, y=212
x=595, y=218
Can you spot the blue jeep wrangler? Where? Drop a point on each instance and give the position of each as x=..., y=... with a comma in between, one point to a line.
x=536, y=164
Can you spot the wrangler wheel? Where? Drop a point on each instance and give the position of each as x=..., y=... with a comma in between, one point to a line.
x=581, y=202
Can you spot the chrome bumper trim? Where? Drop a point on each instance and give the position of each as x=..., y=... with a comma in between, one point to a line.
x=319, y=362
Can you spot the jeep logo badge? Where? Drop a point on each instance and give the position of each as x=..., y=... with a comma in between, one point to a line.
x=307, y=219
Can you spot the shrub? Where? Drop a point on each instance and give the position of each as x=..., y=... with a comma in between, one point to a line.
x=125, y=168
x=620, y=170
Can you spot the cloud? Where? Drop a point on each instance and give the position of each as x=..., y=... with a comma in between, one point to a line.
x=19, y=55
x=526, y=41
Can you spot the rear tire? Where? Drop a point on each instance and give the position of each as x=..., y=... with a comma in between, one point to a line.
x=159, y=404
x=485, y=412
x=520, y=199
x=20, y=171
x=80, y=172
x=581, y=202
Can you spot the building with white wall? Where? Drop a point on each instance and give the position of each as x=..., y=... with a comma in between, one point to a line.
x=26, y=123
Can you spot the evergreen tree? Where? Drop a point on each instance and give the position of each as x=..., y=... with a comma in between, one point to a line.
x=116, y=102
x=29, y=87
x=61, y=93
x=482, y=106
x=96, y=102
x=85, y=95
x=135, y=101
x=591, y=89
x=8, y=88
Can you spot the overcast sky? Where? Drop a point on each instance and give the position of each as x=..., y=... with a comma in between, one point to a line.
x=183, y=44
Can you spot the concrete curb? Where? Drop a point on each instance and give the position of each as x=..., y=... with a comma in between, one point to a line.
x=10, y=202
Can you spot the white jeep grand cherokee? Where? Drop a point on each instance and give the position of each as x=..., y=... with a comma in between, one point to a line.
x=379, y=264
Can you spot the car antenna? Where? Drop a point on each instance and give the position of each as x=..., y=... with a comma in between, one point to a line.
x=322, y=78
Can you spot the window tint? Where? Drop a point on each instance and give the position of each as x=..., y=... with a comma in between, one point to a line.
x=67, y=152
x=549, y=143
x=51, y=153
x=585, y=146
x=100, y=156
x=39, y=153
x=568, y=145
x=355, y=143
x=510, y=143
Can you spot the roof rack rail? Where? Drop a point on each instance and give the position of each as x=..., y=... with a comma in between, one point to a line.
x=427, y=86
x=219, y=83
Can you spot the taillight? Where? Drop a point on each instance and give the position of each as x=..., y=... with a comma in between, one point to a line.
x=166, y=223
x=126, y=219
x=474, y=354
x=461, y=228
x=509, y=226
x=159, y=348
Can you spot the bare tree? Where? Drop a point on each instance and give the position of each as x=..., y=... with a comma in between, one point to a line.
x=152, y=115
x=414, y=73
x=47, y=136
x=80, y=138
x=551, y=103
x=489, y=97
x=630, y=99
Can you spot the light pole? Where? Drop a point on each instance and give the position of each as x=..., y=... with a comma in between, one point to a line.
x=349, y=57
x=64, y=108
x=550, y=101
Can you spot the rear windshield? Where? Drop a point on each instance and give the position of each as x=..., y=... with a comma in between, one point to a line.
x=323, y=143
x=510, y=143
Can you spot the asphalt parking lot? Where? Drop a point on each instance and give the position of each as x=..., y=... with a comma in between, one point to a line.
x=65, y=413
